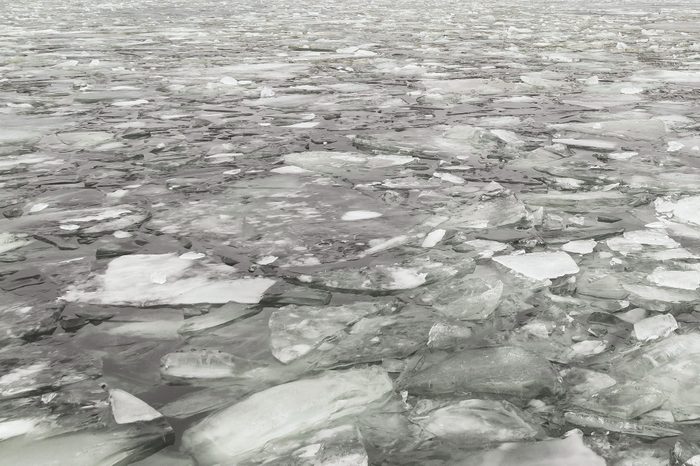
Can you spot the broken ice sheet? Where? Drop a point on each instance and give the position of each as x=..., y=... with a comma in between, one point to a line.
x=357, y=165
x=254, y=135
x=156, y=279
x=380, y=277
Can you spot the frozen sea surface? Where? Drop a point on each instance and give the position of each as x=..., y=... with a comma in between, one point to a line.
x=346, y=233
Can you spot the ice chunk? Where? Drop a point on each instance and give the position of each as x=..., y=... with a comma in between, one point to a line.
x=334, y=446
x=595, y=144
x=404, y=279
x=38, y=207
x=433, y=238
x=496, y=212
x=540, y=265
x=633, y=241
x=126, y=408
x=584, y=383
x=224, y=315
x=658, y=298
x=15, y=427
x=266, y=260
x=614, y=424
x=17, y=136
x=229, y=81
x=677, y=380
x=446, y=335
x=10, y=242
x=626, y=401
x=477, y=86
x=129, y=280
x=626, y=129
x=509, y=137
x=384, y=245
x=449, y=177
x=486, y=248
x=584, y=246
x=582, y=201
x=376, y=337
x=475, y=422
x=387, y=278
x=43, y=367
x=130, y=103
x=198, y=364
x=339, y=163
x=569, y=451
x=506, y=370
x=237, y=432
x=652, y=328
x=670, y=365
x=688, y=210
x=84, y=139
x=683, y=279
x=468, y=298
x=354, y=215
x=295, y=330
x=121, y=445
x=289, y=170
x=304, y=125
x=673, y=76
x=192, y=255
x=584, y=349
x=669, y=350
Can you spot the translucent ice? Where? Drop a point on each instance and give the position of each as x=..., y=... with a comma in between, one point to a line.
x=475, y=422
x=294, y=330
x=241, y=430
x=507, y=371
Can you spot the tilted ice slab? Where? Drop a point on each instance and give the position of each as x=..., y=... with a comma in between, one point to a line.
x=540, y=265
x=158, y=279
x=239, y=431
x=127, y=409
